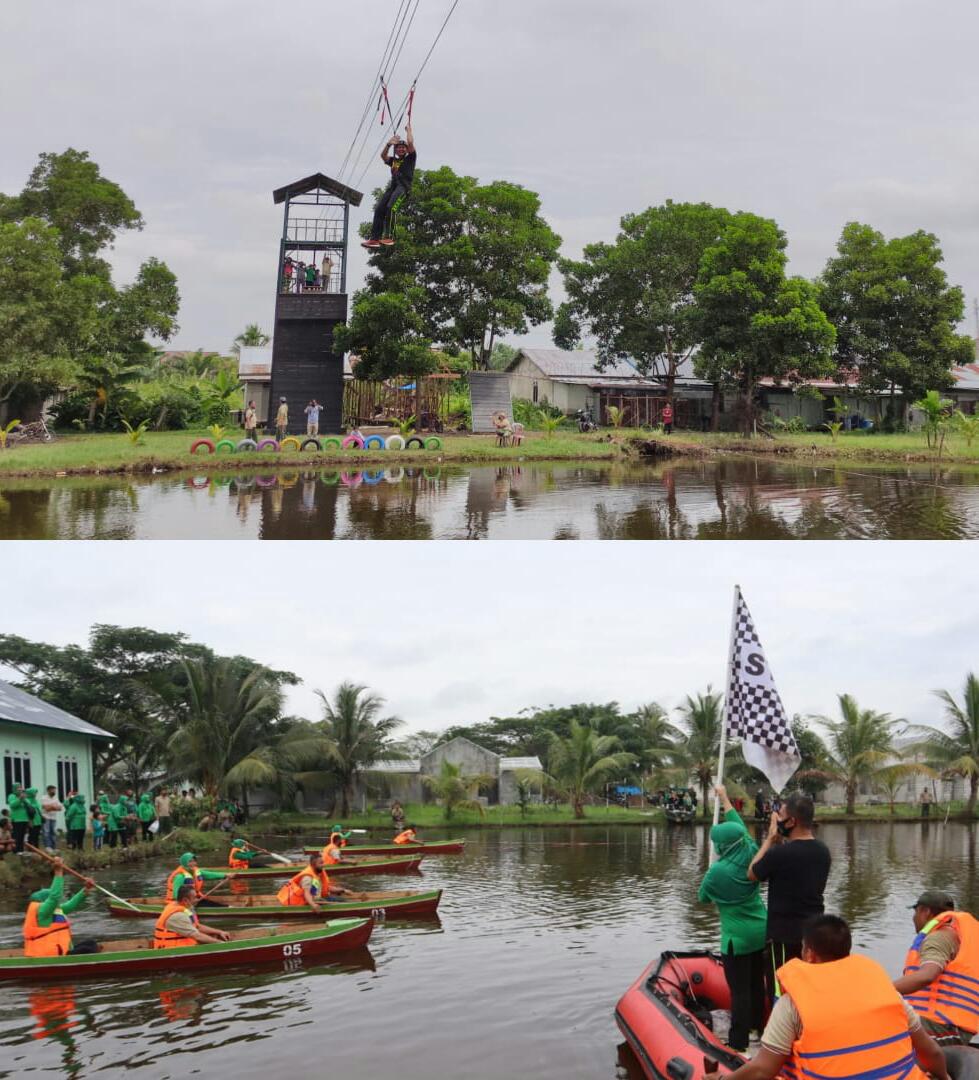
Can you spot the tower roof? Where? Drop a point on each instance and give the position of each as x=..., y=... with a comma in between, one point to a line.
x=321, y=181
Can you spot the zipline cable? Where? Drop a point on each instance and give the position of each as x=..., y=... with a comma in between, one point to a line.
x=409, y=97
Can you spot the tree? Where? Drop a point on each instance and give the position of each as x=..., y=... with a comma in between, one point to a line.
x=253, y=334
x=356, y=734
x=889, y=778
x=455, y=790
x=956, y=750
x=502, y=356
x=582, y=761
x=753, y=321
x=473, y=260
x=636, y=296
x=104, y=382
x=34, y=358
x=224, y=736
x=386, y=332
x=69, y=192
x=860, y=743
x=661, y=738
x=937, y=411
x=895, y=314
x=813, y=754
x=701, y=719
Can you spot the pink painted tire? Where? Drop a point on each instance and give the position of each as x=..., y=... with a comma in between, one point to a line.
x=354, y=441
x=268, y=444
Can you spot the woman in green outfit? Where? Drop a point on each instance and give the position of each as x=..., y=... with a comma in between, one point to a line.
x=743, y=921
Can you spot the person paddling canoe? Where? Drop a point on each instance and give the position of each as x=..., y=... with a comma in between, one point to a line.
x=178, y=924
x=333, y=851
x=344, y=836
x=189, y=871
x=409, y=836
x=243, y=857
x=47, y=929
x=310, y=886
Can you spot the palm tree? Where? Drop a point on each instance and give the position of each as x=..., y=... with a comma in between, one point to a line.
x=355, y=734
x=580, y=762
x=890, y=778
x=104, y=381
x=225, y=739
x=956, y=751
x=661, y=737
x=860, y=743
x=702, y=719
x=455, y=790
x=253, y=334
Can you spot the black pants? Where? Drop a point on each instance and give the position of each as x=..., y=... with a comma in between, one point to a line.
x=926, y=809
x=386, y=206
x=85, y=945
x=34, y=835
x=20, y=832
x=113, y=835
x=145, y=825
x=778, y=953
x=745, y=980
x=79, y=835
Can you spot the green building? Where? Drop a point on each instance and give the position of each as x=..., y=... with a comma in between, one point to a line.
x=42, y=745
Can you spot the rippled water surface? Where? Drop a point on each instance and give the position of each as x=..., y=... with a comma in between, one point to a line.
x=729, y=499
x=540, y=931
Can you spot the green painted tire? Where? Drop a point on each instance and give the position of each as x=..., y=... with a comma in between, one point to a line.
x=224, y=442
x=331, y=442
x=433, y=442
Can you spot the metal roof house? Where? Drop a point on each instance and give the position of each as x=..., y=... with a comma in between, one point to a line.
x=44, y=745
x=403, y=779
x=569, y=380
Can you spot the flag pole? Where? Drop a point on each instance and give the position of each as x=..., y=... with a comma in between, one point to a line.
x=727, y=703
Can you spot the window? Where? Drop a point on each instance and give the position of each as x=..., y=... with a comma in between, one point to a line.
x=67, y=776
x=16, y=770
x=534, y=392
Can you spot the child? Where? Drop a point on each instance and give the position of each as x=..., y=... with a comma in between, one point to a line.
x=6, y=833
x=98, y=830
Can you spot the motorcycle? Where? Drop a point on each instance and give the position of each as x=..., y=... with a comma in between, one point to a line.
x=586, y=422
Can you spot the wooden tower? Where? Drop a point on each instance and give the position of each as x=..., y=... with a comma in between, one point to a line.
x=315, y=231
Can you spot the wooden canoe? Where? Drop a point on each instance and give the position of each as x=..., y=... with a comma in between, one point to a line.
x=284, y=944
x=428, y=847
x=404, y=865
x=394, y=905
x=680, y=815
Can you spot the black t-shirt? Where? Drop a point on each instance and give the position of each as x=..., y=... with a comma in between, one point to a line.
x=796, y=873
x=403, y=169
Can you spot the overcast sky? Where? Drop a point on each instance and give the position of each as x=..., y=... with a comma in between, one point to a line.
x=811, y=113
x=454, y=634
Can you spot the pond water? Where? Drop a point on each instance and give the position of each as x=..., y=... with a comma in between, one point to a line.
x=733, y=499
x=539, y=932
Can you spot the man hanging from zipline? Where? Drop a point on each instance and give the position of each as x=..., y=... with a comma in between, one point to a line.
x=401, y=162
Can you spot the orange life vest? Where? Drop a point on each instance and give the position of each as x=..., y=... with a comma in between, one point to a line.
x=854, y=1024
x=236, y=863
x=170, y=939
x=196, y=878
x=53, y=940
x=331, y=855
x=952, y=997
x=406, y=837
x=292, y=892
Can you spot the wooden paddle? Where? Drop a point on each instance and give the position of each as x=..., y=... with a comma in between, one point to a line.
x=81, y=877
x=271, y=854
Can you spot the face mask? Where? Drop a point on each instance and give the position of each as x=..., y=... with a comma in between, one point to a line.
x=784, y=828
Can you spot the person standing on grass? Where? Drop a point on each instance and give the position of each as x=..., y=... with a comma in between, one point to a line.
x=796, y=865
x=75, y=814
x=162, y=804
x=667, y=418
x=281, y=423
x=743, y=921
x=36, y=819
x=146, y=813
x=251, y=423
x=51, y=807
x=312, y=411
x=20, y=816
x=926, y=801
x=98, y=829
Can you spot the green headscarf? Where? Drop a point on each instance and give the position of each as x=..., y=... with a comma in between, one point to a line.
x=186, y=859
x=339, y=829
x=728, y=877
x=239, y=843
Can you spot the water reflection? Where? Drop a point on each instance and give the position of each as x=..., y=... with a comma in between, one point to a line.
x=725, y=499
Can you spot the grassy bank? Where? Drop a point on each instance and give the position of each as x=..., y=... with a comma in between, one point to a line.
x=431, y=816
x=82, y=454
x=21, y=873
x=93, y=454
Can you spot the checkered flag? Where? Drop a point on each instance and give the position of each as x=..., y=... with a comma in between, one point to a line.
x=754, y=711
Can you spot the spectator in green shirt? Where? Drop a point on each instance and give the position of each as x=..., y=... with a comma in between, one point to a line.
x=20, y=816
x=146, y=814
x=743, y=921
x=35, y=818
x=75, y=815
x=115, y=818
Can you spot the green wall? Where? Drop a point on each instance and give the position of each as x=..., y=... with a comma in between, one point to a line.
x=45, y=745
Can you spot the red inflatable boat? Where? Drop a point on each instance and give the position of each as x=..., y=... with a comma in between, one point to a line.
x=665, y=1017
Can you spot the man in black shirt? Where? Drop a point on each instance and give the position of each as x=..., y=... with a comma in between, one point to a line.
x=796, y=865
x=402, y=166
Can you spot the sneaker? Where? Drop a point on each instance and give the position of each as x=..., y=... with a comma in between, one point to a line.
x=371, y=244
